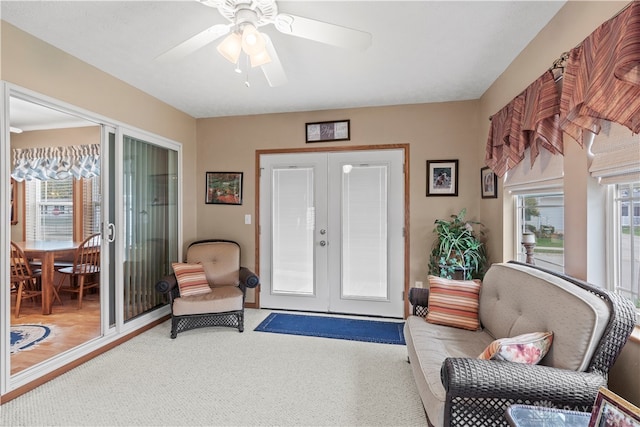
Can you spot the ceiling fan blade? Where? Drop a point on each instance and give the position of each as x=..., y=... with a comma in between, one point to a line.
x=323, y=32
x=273, y=70
x=194, y=43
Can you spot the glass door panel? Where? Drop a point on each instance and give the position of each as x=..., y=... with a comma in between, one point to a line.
x=364, y=232
x=292, y=231
x=150, y=189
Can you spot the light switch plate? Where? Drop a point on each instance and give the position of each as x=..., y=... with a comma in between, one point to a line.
x=247, y=219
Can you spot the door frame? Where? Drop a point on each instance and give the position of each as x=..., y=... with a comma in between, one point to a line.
x=406, y=153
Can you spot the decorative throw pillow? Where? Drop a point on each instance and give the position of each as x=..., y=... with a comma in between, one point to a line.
x=191, y=279
x=526, y=348
x=454, y=302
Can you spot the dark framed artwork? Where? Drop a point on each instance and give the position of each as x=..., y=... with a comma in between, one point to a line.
x=14, y=202
x=610, y=409
x=442, y=177
x=223, y=188
x=488, y=183
x=328, y=131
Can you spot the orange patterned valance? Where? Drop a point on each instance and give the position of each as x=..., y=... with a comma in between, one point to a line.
x=601, y=81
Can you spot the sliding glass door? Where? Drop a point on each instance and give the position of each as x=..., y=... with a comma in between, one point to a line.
x=150, y=190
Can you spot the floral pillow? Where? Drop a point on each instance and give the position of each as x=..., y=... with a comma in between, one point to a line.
x=527, y=348
x=191, y=279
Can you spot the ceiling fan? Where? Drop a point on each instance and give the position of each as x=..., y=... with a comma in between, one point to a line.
x=245, y=17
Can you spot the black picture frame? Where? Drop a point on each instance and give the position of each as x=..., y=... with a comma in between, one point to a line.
x=488, y=183
x=328, y=131
x=442, y=178
x=223, y=188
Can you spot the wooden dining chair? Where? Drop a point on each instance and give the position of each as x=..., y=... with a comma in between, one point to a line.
x=85, y=272
x=25, y=281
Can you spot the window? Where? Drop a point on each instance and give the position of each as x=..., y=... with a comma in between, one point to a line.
x=50, y=213
x=625, y=241
x=543, y=215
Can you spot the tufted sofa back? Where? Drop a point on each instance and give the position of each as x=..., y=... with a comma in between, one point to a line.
x=517, y=299
x=221, y=261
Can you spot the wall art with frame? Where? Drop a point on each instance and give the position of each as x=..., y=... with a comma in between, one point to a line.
x=488, y=183
x=223, y=188
x=610, y=409
x=442, y=177
x=328, y=131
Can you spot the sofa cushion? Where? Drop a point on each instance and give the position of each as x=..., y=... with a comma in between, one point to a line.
x=525, y=348
x=191, y=279
x=220, y=300
x=516, y=299
x=428, y=345
x=221, y=261
x=454, y=302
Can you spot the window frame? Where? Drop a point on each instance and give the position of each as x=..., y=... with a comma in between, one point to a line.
x=612, y=250
x=77, y=203
x=518, y=226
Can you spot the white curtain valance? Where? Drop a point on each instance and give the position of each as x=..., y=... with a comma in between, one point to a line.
x=77, y=161
x=616, y=155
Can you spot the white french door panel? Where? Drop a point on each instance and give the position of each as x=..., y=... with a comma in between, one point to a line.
x=331, y=232
x=293, y=262
x=366, y=218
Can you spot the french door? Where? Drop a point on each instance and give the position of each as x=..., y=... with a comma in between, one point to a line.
x=331, y=232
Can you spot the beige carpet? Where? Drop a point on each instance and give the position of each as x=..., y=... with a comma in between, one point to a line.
x=217, y=376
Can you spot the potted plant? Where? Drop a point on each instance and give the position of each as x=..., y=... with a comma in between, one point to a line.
x=458, y=252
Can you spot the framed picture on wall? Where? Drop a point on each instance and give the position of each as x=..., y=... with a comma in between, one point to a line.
x=328, y=131
x=612, y=410
x=442, y=177
x=224, y=188
x=488, y=183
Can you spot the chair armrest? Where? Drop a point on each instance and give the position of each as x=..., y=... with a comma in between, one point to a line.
x=248, y=277
x=419, y=299
x=167, y=283
x=469, y=381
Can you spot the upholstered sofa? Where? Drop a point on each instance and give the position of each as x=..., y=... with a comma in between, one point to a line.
x=590, y=326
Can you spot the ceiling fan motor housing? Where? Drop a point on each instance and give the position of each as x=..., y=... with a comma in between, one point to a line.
x=239, y=12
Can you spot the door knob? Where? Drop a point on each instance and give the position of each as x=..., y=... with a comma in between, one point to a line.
x=323, y=243
x=323, y=231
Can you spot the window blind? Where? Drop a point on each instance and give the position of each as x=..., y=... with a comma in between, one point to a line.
x=616, y=155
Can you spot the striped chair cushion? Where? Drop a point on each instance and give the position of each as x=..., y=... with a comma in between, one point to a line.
x=191, y=279
x=454, y=302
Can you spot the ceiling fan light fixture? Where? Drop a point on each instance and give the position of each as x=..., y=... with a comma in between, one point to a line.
x=260, y=58
x=231, y=47
x=252, y=41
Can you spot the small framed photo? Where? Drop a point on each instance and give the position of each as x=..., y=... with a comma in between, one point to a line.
x=329, y=131
x=442, y=177
x=612, y=410
x=224, y=188
x=488, y=183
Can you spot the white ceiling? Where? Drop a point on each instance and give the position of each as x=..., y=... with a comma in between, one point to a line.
x=422, y=51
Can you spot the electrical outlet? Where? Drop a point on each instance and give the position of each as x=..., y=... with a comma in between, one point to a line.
x=419, y=284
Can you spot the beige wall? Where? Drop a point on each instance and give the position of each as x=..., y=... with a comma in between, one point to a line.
x=584, y=222
x=433, y=131
x=32, y=64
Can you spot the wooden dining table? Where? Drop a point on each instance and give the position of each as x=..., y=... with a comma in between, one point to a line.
x=47, y=251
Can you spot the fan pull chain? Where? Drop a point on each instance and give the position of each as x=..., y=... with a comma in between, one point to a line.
x=246, y=82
